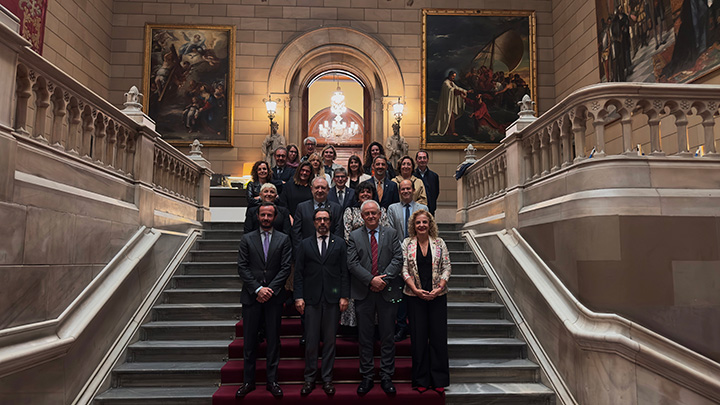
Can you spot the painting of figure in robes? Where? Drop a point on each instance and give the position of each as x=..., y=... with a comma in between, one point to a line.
x=477, y=67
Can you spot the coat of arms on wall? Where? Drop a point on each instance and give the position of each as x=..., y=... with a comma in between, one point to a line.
x=477, y=66
x=31, y=14
x=188, y=82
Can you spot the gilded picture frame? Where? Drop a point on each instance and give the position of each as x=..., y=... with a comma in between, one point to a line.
x=494, y=57
x=188, y=82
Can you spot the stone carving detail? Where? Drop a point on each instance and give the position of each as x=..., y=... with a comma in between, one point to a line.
x=657, y=104
x=396, y=146
x=132, y=100
x=272, y=142
x=685, y=105
x=195, y=148
x=595, y=105
x=712, y=106
x=629, y=103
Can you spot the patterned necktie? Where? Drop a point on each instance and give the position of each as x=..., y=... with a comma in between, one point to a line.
x=324, y=245
x=407, y=218
x=374, y=252
x=266, y=244
x=379, y=190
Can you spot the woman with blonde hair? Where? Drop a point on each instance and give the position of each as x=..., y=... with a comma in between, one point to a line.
x=315, y=161
x=329, y=154
x=426, y=271
x=406, y=167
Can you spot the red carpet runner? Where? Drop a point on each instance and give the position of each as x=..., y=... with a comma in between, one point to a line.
x=292, y=364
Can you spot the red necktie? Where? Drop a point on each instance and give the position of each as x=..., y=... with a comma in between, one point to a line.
x=374, y=252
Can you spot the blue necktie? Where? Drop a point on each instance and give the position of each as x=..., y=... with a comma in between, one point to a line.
x=407, y=218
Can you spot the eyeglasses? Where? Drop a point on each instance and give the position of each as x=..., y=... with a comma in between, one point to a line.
x=340, y=176
x=322, y=219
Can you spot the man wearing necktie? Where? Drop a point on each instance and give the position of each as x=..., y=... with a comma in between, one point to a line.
x=281, y=172
x=375, y=261
x=303, y=226
x=387, y=190
x=399, y=214
x=321, y=290
x=264, y=259
x=340, y=193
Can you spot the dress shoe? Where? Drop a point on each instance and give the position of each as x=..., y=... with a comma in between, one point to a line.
x=388, y=386
x=365, y=386
x=307, y=388
x=329, y=388
x=244, y=389
x=275, y=389
x=401, y=335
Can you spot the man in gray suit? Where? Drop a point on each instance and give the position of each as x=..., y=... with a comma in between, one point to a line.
x=399, y=214
x=375, y=261
x=322, y=290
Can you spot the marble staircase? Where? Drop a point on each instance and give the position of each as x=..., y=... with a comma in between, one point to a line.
x=181, y=349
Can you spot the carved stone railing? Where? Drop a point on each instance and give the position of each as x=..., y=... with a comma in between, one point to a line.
x=599, y=123
x=54, y=110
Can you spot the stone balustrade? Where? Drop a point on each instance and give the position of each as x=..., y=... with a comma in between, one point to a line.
x=173, y=173
x=487, y=179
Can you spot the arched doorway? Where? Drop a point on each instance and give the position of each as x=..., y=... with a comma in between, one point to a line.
x=317, y=113
x=336, y=49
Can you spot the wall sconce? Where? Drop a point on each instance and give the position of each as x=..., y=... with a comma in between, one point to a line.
x=398, y=109
x=271, y=107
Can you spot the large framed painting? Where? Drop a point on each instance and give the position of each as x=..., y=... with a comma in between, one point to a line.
x=477, y=66
x=657, y=41
x=188, y=82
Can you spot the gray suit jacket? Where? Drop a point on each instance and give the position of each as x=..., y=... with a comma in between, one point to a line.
x=396, y=213
x=389, y=262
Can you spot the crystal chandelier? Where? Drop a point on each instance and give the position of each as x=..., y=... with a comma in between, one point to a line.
x=338, y=131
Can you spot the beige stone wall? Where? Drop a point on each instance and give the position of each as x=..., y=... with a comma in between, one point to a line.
x=575, y=46
x=78, y=36
x=263, y=28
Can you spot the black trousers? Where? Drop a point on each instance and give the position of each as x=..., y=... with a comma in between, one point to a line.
x=320, y=320
x=428, y=337
x=386, y=312
x=253, y=315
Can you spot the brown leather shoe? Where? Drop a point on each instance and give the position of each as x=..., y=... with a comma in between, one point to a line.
x=329, y=388
x=245, y=389
x=307, y=388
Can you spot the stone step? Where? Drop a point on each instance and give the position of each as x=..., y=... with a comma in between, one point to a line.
x=206, y=281
x=498, y=393
x=189, y=395
x=167, y=374
x=194, y=311
x=452, y=236
x=477, y=294
x=468, y=280
x=188, y=330
x=213, y=255
x=201, y=295
x=462, y=256
x=209, y=234
x=456, y=245
x=477, y=328
x=493, y=370
x=217, y=244
x=178, y=350
x=449, y=226
x=466, y=268
x=218, y=268
x=486, y=348
x=475, y=310
x=223, y=226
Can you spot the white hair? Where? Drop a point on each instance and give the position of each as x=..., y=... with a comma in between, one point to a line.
x=312, y=183
x=268, y=185
x=371, y=201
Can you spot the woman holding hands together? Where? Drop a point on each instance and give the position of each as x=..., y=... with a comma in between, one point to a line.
x=426, y=271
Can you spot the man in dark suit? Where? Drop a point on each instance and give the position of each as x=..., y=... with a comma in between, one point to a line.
x=264, y=259
x=340, y=193
x=281, y=172
x=303, y=225
x=387, y=189
x=375, y=261
x=429, y=178
x=322, y=291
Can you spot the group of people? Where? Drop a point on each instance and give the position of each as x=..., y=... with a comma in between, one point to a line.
x=356, y=256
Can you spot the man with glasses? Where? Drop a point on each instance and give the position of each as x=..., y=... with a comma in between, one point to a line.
x=282, y=173
x=344, y=196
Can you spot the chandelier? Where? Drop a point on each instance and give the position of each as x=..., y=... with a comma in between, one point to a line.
x=338, y=131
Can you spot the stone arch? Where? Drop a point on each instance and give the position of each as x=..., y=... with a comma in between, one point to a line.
x=343, y=48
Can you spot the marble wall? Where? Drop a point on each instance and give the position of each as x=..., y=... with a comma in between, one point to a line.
x=661, y=272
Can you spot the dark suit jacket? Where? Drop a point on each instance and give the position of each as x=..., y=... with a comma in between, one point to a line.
x=281, y=222
x=318, y=278
x=256, y=272
x=349, y=200
x=391, y=195
x=390, y=262
x=286, y=176
x=303, y=225
x=432, y=187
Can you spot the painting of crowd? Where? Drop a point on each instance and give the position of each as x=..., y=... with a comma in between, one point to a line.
x=188, y=74
x=667, y=41
x=477, y=68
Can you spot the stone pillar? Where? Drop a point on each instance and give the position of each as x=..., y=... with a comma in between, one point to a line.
x=203, y=183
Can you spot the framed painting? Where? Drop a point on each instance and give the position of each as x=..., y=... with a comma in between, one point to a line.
x=657, y=41
x=188, y=82
x=477, y=65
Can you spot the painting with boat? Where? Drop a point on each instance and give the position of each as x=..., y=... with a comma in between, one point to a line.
x=477, y=66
